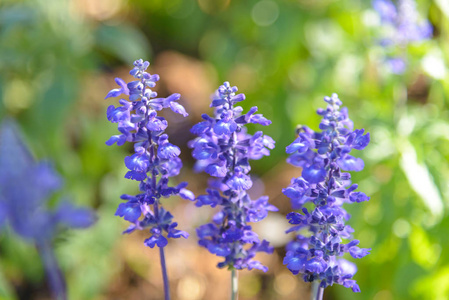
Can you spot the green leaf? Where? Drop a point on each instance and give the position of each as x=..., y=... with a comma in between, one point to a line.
x=420, y=179
x=124, y=41
x=6, y=291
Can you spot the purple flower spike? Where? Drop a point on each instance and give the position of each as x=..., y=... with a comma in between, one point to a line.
x=25, y=190
x=223, y=149
x=155, y=158
x=403, y=27
x=386, y=10
x=323, y=157
x=403, y=18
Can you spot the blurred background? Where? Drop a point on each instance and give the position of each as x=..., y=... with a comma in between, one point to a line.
x=58, y=59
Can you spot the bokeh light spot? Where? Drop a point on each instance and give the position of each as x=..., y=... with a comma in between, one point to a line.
x=265, y=13
x=213, y=44
x=17, y=95
x=373, y=215
x=383, y=295
x=370, y=18
x=325, y=38
x=269, y=229
x=382, y=173
x=245, y=75
x=191, y=288
x=433, y=64
x=180, y=9
x=423, y=251
x=100, y=9
x=249, y=286
x=285, y=283
x=213, y=6
x=401, y=228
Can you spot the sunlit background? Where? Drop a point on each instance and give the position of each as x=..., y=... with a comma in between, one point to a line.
x=58, y=59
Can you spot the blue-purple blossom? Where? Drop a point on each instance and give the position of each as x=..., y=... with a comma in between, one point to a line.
x=324, y=157
x=402, y=26
x=25, y=190
x=397, y=65
x=223, y=149
x=154, y=160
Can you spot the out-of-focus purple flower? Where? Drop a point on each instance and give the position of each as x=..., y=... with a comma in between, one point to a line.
x=324, y=156
x=403, y=20
x=402, y=26
x=386, y=9
x=397, y=65
x=25, y=189
x=2, y=215
x=154, y=160
x=223, y=149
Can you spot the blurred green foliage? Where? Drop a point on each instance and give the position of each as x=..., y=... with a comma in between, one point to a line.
x=58, y=57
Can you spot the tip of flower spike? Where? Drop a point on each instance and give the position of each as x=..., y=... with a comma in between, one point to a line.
x=333, y=100
x=141, y=64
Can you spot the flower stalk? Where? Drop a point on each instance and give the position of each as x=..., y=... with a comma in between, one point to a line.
x=234, y=285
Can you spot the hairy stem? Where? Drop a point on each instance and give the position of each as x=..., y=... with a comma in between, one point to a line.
x=162, y=257
x=317, y=291
x=234, y=285
x=164, y=274
x=319, y=295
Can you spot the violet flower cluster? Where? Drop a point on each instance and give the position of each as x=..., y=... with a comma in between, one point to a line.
x=402, y=26
x=155, y=159
x=323, y=157
x=26, y=187
x=223, y=149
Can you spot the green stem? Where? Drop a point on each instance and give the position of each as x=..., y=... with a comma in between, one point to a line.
x=320, y=294
x=317, y=291
x=164, y=274
x=234, y=285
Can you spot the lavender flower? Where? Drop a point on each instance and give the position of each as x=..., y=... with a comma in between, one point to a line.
x=323, y=156
x=25, y=188
x=402, y=27
x=154, y=160
x=223, y=149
